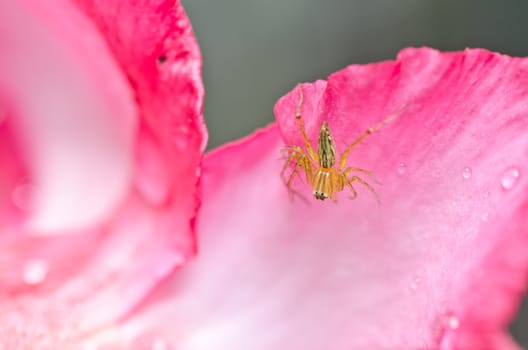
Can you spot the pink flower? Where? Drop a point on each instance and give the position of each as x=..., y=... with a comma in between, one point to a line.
x=93, y=263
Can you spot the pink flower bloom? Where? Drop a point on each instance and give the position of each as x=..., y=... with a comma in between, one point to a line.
x=110, y=167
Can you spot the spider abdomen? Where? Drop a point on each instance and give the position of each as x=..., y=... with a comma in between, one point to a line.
x=326, y=151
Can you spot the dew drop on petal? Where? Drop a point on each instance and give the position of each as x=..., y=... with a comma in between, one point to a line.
x=466, y=173
x=415, y=283
x=35, y=271
x=509, y=178
x=182, y=22
x=447, y=324
x=451, y=321
x=183, y=129
x=22, y=196
x=402, y=168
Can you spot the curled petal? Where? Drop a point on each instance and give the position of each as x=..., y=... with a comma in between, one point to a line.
x=57, y=290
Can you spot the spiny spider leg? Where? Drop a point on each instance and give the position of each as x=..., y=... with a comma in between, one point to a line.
x=294, y=152
x=290, y=153
x=334, y=197
x=366, y=133
x=353, y=190
x=303, y=162
x=300, y=122
x=364, y=183
x=366, y=172
x=292, y=156
x=300, y=160
x=292, y=149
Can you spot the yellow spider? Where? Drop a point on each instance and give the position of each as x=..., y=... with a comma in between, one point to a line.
x=327, y=179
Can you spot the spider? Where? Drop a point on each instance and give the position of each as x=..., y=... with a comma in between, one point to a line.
x=322, y=174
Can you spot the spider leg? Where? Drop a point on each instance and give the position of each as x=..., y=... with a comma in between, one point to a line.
x=366, y=172
x=364, y=135
x=301, y=161
x=334, y=197
x=364, y=183
x=294, y=155
x=300, y=123
x=304, y=162
x=353, y=190
x=343, y=180
x=289, y=149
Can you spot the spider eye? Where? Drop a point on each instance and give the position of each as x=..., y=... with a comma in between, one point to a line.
x=320, y=195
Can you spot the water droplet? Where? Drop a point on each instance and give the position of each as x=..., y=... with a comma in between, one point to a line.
x=466, y=173
x=451, y=321
x=22, y=196
x=402, y=168
x=445, y=328
x=35, y=271
x=183, y=129
x=509, y=178
x=485, y=194
x=484, y=217
x=182, y=22
x=415, y=283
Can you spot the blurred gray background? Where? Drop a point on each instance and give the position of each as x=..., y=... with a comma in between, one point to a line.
x=256, y=50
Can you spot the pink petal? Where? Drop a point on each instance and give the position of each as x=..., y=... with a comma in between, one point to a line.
x=77, y=119
x=57, y=290
x=441, y=264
